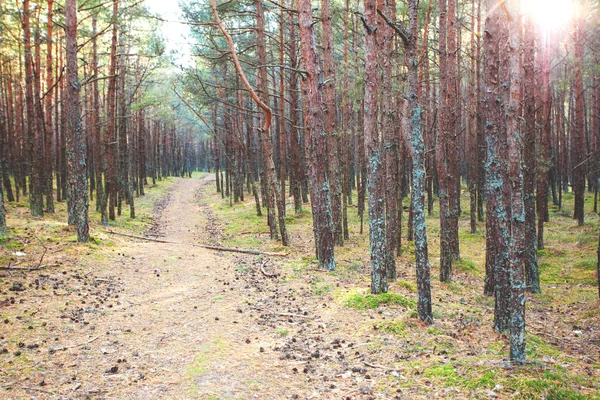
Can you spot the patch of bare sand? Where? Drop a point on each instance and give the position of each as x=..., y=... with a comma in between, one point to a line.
x=177, y=325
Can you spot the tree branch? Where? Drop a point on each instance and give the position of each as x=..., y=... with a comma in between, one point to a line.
x=204, y=246
x=238, y=67
x=399, y=29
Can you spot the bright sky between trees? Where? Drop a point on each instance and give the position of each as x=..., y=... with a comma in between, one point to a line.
x=175, y=33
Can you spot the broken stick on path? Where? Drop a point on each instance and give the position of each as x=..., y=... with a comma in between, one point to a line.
x=205, y=246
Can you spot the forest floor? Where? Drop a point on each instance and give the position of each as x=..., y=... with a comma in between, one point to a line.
x=123, y=318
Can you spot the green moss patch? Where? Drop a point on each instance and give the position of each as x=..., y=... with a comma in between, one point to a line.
x=372, y=301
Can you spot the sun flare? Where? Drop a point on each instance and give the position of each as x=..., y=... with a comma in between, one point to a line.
x=549, y=14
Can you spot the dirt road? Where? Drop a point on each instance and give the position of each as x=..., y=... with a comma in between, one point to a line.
x=184, y=326
x=150, y=320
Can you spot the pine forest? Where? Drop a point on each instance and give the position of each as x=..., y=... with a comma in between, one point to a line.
x=296, y=199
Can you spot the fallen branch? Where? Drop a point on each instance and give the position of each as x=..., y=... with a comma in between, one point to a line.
x=265, y=273
x=43, y=245
x=73, y=345
x=28, y=269
x=292, y=315
x=380, y=367
x=36, y=389
x=204, y=246
x=350, y=393
x=359, y=345
x=375, y=366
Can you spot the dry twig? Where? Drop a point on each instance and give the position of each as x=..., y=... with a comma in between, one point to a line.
x=204, y=246
x=74, y=345
x=265, y=273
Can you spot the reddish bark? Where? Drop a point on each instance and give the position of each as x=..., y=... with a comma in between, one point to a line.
x=34, y=136
x=315, y=139
x=48, y=112
x=424, y=93
x=297, y=173
x=282, y=130
x=111, y=136
x=346, y=164
x=473, y=128
x=96, y=132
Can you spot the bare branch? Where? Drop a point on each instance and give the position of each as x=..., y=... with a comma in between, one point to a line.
x=398, y=28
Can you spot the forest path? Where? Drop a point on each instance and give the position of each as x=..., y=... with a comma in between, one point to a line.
x=134, y=319
x=185, y=330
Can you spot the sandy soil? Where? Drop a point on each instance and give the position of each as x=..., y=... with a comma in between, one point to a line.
x=148, y=320
x=168, y=321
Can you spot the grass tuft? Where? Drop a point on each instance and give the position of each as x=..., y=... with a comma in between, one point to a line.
x=447, y=373
x=395, y=327
x=372, y=301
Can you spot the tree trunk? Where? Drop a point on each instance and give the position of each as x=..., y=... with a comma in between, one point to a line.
x=481, y=147
x=331, y=121
x=454, y=109
x=39, y=162
x=428, y=114
x=297, y=173
x=36, y=204
x=111, y=136
x=96, y=132
x=374, y=159
x=390, y=143
x=346, y=138
x=265, y=135
x=443, y=150
x=48, y=113
x=3, y=229
x=473, y=129
x=418, y=170
x=497, y=216
x=510, y=71
x=282, y=130
x=76, y=158
x=316, y=143
x=578, y=150
x=9, y=156
x=529, y=159
x=498, y=235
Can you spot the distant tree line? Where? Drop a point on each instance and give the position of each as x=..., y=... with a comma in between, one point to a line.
x=83, y=116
